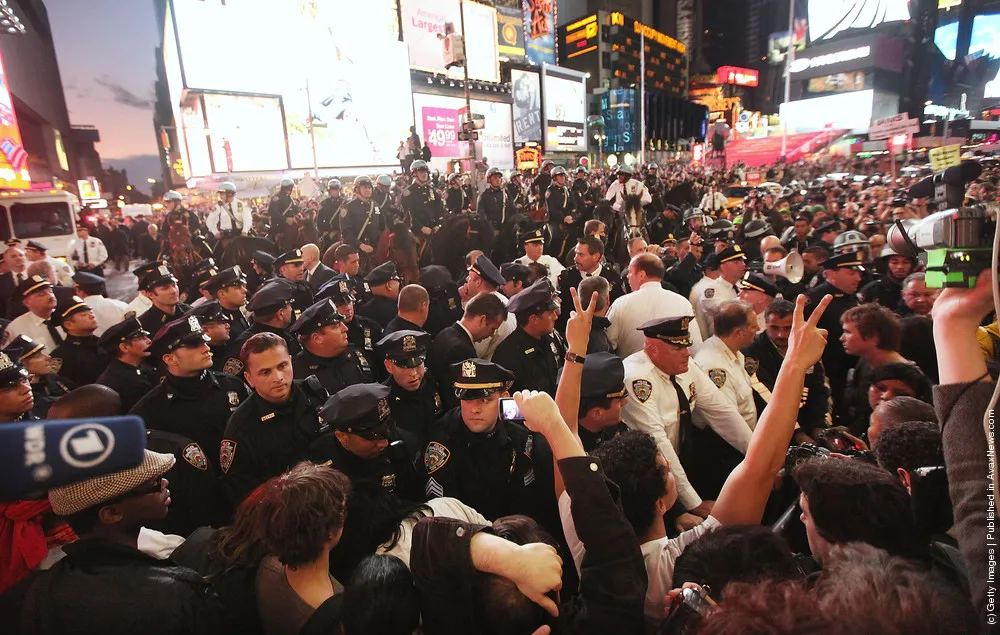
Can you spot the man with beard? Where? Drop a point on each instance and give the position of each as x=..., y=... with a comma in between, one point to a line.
x=413, y=395
x=128, y=372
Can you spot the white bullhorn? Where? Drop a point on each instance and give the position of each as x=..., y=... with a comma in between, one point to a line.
x=790, y=268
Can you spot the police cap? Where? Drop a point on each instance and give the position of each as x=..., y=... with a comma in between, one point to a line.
x=31, y=285
x=338, y=289
x=262, y=259
x=185, y=332
x=382, y=274
x=202, y=278
x=406, y=348
x=154, y=274
x=487, y=271
x=515, y=272
x=361, y=409
x=829, y=226
x=732, y=252
x=205, y=264
x=11, y=371
x=287, y=182
x=231, y=277
x=270, y=298
x=127, y=329
x=670, y=329
x=292, y=257
x=757, y=282
x=209, y=313
x=316, y=317
x=537, y=236
x=70, y=307
x=477, y=378
x=88, y=281
x=22, y=347
x=848, y=260
x=711, y=261
x=535, y=299
x=37, y=246
x=603, y=377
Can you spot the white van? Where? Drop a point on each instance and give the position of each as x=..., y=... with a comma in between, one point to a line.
x=48, y=217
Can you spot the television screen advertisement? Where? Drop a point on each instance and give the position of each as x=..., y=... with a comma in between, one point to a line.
x=564, y=95
x=525, y=91
x=439, y=121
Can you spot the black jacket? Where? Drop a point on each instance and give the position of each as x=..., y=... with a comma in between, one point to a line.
x=321, y=276
x=334, y=373
x=835, y=360
x=399, y=324
x=534, y=362
x=82, y=359
x=451, y=345
x=153, y=319
x=379, y=308
x=131, y=383
x=416, y=412
x=571, y=278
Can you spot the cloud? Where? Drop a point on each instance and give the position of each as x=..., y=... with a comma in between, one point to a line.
x=121, y=94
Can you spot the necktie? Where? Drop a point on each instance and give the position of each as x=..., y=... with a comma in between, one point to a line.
x=683, y=408
x=307, y=276
x=86, y=260
x=54, y=332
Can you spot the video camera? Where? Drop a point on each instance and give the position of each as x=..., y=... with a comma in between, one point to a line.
x=955, y=244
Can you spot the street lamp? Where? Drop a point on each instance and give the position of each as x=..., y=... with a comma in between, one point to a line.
x=150, y=180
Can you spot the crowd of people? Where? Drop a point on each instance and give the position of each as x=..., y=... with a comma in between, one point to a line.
x=642, y=419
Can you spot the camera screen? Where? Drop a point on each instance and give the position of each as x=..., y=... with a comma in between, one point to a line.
x=509, y=410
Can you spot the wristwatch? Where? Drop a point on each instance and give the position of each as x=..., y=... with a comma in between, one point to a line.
x=574, y=358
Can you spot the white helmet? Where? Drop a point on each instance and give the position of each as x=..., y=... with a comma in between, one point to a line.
x=287, y=182
x=227, y=186
x=384, y=180
x=172, y=196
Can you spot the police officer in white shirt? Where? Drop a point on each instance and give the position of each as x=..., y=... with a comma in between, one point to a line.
x=667, y=393
x=647, y=301
x=714, y=200
x=624, y=188
x=534, y=245
x=107, y=311
x=484, y=277
x=36, y=294
x=759, y=291
x=732, y=266
x=36, y=251
x=229, y=219
x=87, y=253
x=720, y=356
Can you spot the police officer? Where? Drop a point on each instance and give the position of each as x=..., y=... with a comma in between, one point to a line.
x=158, y=284
x=763, y=360
x=16, y=400
x=384, y=283
x=516, y=197
x=588, y=263
x=422, y=202
x=533, y=244
x=326, y=351
x=542, y=181
x=888, y=290
x=602, y=395
x=366, y=444
x=665, y=225
x=456, y=201
x=272, y=313
x=273, y=429
x=291, y=267
x=175, y=213
x=495, y=466
x=329, y=210
x=80, y=358
x=128, y=373
x=563, y=215
x=46, y=385
x=494, y=204
x=262, y=270
x=362, y=332
x=229, y=288
x=582, y=191
x=281, y=203
x=732, y=266
x=384, y=199
x=229, y=219
x=413, y=395
x=759, y=291
x=531, y=352
x=843, y=276
x=361, y=223
x=719, y=356
x=193, y=400
x=694, y=223
x=216, y=326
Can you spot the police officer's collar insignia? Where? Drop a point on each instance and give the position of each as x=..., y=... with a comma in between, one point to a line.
x=227, y=450
x=718, y=377
x=268, y=416
x=437, y=402
x=692, y=395
x=55, y=364
x=469, y=369
x=529, y=445
x=709, y=293
x=642, y=389
x=409, y=343
x=435, y=456
x=194, y=455
x=383, y=409
x=389, y=481
x=751, y=365
x=234, y=398
x=194, y=324
x=233, y=366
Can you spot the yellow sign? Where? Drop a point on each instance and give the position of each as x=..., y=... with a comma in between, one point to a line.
x=652, y=34
x=581, y=23
x=946, y=157
x=527, y=158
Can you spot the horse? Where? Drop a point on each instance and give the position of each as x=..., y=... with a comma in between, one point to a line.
x=456, y=237
x=616, y=248
x=398, y=244
x=506, y=245
x=241, y=248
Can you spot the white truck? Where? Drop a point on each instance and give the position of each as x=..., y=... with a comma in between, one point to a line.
x=47, y=217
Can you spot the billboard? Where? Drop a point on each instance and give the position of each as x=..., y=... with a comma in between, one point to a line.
x=837, y=83
x=13, y=157
x=526, y=95
x=439, y=122
x=424, y=21
x=581, y=37
x=510, y=30
x=540, y=31
x=621, y=116
x=737, y=76
x=777, y=43
x=829, y=18
x=320, y=78
x=852, y=111
x=564, y=96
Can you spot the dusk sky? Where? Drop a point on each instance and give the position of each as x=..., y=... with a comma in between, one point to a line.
x=106, y=58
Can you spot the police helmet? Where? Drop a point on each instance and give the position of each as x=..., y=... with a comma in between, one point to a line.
x=172, y=196
x=546, y=163
x=419, y=165
x=694, y=213
x=494, y=172
x=514, y=174
x=364, y=179
x=227, y=186
x=287, y=182
x=626, y=169
x=850, y=242
x=756, y=228
x=452, y=177
x=334, y=184
x=582, y=169
x=652, y=166
x=559, y=171
x=384, y=180
x=722, y=229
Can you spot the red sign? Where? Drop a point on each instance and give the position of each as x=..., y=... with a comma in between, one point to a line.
x=738, y=76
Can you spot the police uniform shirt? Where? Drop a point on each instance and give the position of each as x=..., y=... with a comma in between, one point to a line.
x=193, y=407
x=534, y=362
x=328, y=211
x=714, y=293
x=46, y=390
x=652, y=407
x=130, y=382
x=498, y=473
x=80, y=359
x=593, y=440
x=263, y=440
x=424, y=205
x=194, y=485
x=493, y=205
x=399, y=324
x=334, y=373
x=416, y=411
x=552, y=266
x=34, y=327
x=486, y=348
x=107, y=312
x=238, y=322
x=153, y=319
x=234, y=366
x=648, y=302
x=362, y=333
x=394, y=470
x=456, y=201
x=727, y=370
x=361, y=222
x=302, y=296
x=379, y=309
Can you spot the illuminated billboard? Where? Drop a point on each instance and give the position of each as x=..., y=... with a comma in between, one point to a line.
x=439, y=124
x=737, y=76
x=510, y=30
x=829, y=18
x=837, y=83
x=564, y=96
x=581, y=37
x=246, y=133
x=852, y=111
x=540, y=31
x=13, y=157
x=621, y=116
x=526, y=94
x=424, y=21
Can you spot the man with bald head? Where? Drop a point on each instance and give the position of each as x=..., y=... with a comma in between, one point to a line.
x=414, y=305
x=316, y=273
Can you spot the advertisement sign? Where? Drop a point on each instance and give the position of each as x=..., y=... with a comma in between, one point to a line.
x=424, y=21
x=737, y=76
x=944, y=158
x=527, y=106
x=851, y=111
x=540, y=31
x=90, y=189
x=527, y=158
x=801, y=64
x=248, y=130
x=777, y=43
x=891, y=126
x=837, y=83
x=480, y=44
x=564, y=97
x=510, y=30
x=439, y=123
x=581, y=36
x=618, y=108
x=685, y=22
x=827, y=18
x=13, y=157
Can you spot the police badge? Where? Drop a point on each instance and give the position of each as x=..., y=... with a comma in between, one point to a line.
x=718, y=377
x=194, y=455
x=643, y=390
x=469, y=369
x=234, y=398
x=233, y=366
x=435, y=456
x=227, y=450
x=409, y=343
x=383, y=409
x=709, y=293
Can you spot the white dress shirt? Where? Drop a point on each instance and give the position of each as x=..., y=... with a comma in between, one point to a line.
x=712, y=295
x=96, y=252
x=633, y=187
x=34, y=327
x=107, y=311
x=657, y=414
x=485, y=348
x=220, y=220
x=648, y=302
x=714, y=202
x=140, y=304
x=727, y=370
x=64, y=273
x=552, y=265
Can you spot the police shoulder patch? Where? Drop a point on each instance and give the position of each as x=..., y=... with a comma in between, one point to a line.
x=233, y=366
x=227, y=451
x=642, y=389
x=709, y=293
x=435, y=456
x=718, y=377
x=751, y=365
x=343, y=212
x=194, y=455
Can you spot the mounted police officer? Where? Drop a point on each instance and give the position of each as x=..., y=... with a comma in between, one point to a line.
x=563, y=215
x=279, y=207
x=457, y=200
x=361, y=222
x=326, y=219
x=422, y=202
x=229, y=219
x=494, y=203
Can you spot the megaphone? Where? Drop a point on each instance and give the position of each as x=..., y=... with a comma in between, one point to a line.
x=790, y=268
